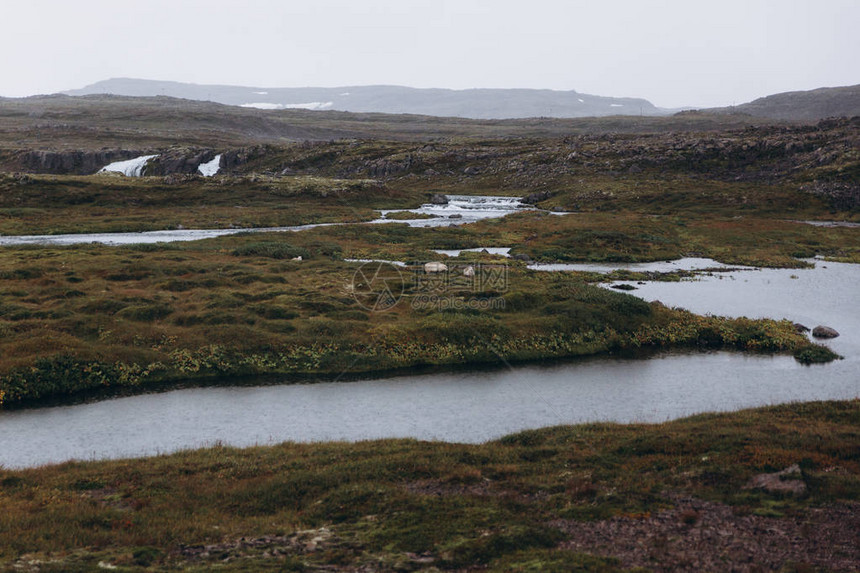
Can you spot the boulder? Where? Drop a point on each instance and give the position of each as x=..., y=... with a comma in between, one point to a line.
x=439, y=199
x=800, y=328
x=789, y=480
x=824, y=332
x=522, y=257
x=455, y=216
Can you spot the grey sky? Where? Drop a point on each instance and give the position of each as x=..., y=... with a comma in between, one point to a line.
x=672, y=52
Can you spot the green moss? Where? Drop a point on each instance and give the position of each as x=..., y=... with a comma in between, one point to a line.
x=270, y=249
x=815, y=354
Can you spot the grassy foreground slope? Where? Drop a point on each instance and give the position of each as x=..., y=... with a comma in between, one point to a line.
x=678, y=496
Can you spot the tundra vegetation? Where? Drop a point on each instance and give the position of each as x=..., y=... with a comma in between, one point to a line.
x=88, y=317
x=82, y=320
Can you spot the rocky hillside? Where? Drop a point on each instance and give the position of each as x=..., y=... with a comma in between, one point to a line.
x=474, y=103
x=823, y=159
x=99, y=122
x=804, y=105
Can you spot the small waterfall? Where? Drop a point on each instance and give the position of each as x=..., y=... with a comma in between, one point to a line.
x=210, y=168
x=130, y=167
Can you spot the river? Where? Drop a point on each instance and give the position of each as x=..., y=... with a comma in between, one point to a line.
x=459, y=210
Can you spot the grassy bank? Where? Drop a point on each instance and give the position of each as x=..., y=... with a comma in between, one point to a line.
x=88, y=317
x=48, y=204
x=597, y=497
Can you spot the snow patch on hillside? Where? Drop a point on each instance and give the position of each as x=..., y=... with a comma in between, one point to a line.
x=314, y=105
x=263, y=105
x=130, y=167
x=210, y=168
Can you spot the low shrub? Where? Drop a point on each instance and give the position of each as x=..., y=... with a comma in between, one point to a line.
x=145, y=312
x=815, y=354
x=270, y=250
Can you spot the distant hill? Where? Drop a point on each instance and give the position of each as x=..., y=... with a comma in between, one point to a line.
x=805, y=105
x=472, y=103
x=97, y=122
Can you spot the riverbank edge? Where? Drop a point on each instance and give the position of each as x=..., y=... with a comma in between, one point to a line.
x=59, y=379
x=513, y=503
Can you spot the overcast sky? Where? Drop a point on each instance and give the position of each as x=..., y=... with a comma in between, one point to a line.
x=671, y=52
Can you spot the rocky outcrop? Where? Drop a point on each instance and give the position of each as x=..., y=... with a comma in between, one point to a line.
x=842, y=195
x=536, y=197
x=385, y=167
x=178, y=161
x=824, y=332
x=238, y=157
x=71, y=162
x=789, y=480
x=171, y=162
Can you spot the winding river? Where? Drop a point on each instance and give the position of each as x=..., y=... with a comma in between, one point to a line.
x=483, y=404
x=459, y=210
